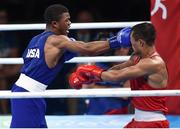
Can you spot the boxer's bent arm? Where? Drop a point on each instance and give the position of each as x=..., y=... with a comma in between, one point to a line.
x=89, y=48
x=143, y=68
x=122, y=65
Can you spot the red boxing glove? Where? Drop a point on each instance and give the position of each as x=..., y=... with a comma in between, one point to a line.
x=76, y=81
x=91, y=71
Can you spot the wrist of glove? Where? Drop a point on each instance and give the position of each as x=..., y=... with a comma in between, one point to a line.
x=122, y=39
x=114, y=43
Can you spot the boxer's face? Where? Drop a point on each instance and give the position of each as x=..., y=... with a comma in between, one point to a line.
x=63, y=24
x=134, y=44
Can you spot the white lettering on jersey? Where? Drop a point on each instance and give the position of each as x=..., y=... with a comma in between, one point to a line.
x=33, y=53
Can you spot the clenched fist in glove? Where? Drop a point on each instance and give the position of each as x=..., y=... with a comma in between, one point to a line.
x=74, y=81
x=92, y=72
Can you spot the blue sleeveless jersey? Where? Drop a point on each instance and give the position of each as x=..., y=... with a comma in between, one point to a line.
x=35, y=66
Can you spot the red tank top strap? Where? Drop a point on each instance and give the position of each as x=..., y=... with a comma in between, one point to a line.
x=136, y=59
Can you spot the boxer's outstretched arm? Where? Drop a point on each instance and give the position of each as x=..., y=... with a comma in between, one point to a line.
x=125, y=64
x=89, y=48
x=95, y=47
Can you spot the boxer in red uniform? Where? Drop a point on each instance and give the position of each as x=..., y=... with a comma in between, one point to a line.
x=145, y=69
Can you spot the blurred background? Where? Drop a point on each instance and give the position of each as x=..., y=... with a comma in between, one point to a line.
x=13, y=43
x=21, y=11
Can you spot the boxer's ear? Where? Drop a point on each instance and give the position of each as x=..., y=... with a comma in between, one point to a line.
x=141, y=42
x=54, y=24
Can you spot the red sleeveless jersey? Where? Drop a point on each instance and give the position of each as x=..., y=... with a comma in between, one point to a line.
x=147, y=103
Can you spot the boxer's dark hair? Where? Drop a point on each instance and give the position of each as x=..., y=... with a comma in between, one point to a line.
x=54, y=13
x=144, y=31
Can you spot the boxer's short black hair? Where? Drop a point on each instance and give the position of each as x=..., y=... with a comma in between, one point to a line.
x=54, y=13
x=144, y=31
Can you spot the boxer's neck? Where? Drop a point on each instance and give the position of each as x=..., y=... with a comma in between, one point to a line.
x=148, y=52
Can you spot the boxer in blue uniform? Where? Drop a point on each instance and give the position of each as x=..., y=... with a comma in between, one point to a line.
x=44, y=58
